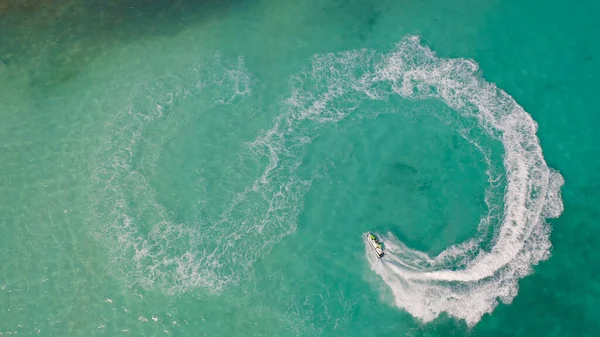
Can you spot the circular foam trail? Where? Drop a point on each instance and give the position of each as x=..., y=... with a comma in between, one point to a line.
x=149, y=246
x=465, y=280
x=532, y=193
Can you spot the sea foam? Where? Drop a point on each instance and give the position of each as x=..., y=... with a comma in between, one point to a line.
x=465, y=280
x=149, y=246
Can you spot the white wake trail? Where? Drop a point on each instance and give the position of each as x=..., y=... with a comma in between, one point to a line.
x=465, y=281
x=532, y=194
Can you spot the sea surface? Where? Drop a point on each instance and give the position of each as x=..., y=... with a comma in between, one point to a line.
x=211, y=168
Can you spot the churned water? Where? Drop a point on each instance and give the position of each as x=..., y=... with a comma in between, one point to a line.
x=211, y=169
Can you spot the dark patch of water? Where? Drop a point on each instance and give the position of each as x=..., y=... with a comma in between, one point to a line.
x=55, y=40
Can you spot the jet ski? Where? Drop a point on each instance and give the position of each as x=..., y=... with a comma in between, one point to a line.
x=375, y=244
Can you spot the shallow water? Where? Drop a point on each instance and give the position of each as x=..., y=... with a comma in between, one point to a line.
x=211, y=169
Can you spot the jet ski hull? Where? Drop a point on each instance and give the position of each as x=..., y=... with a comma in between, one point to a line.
x=375, y=245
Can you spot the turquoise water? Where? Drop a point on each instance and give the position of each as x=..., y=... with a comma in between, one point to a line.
x=211, y=169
